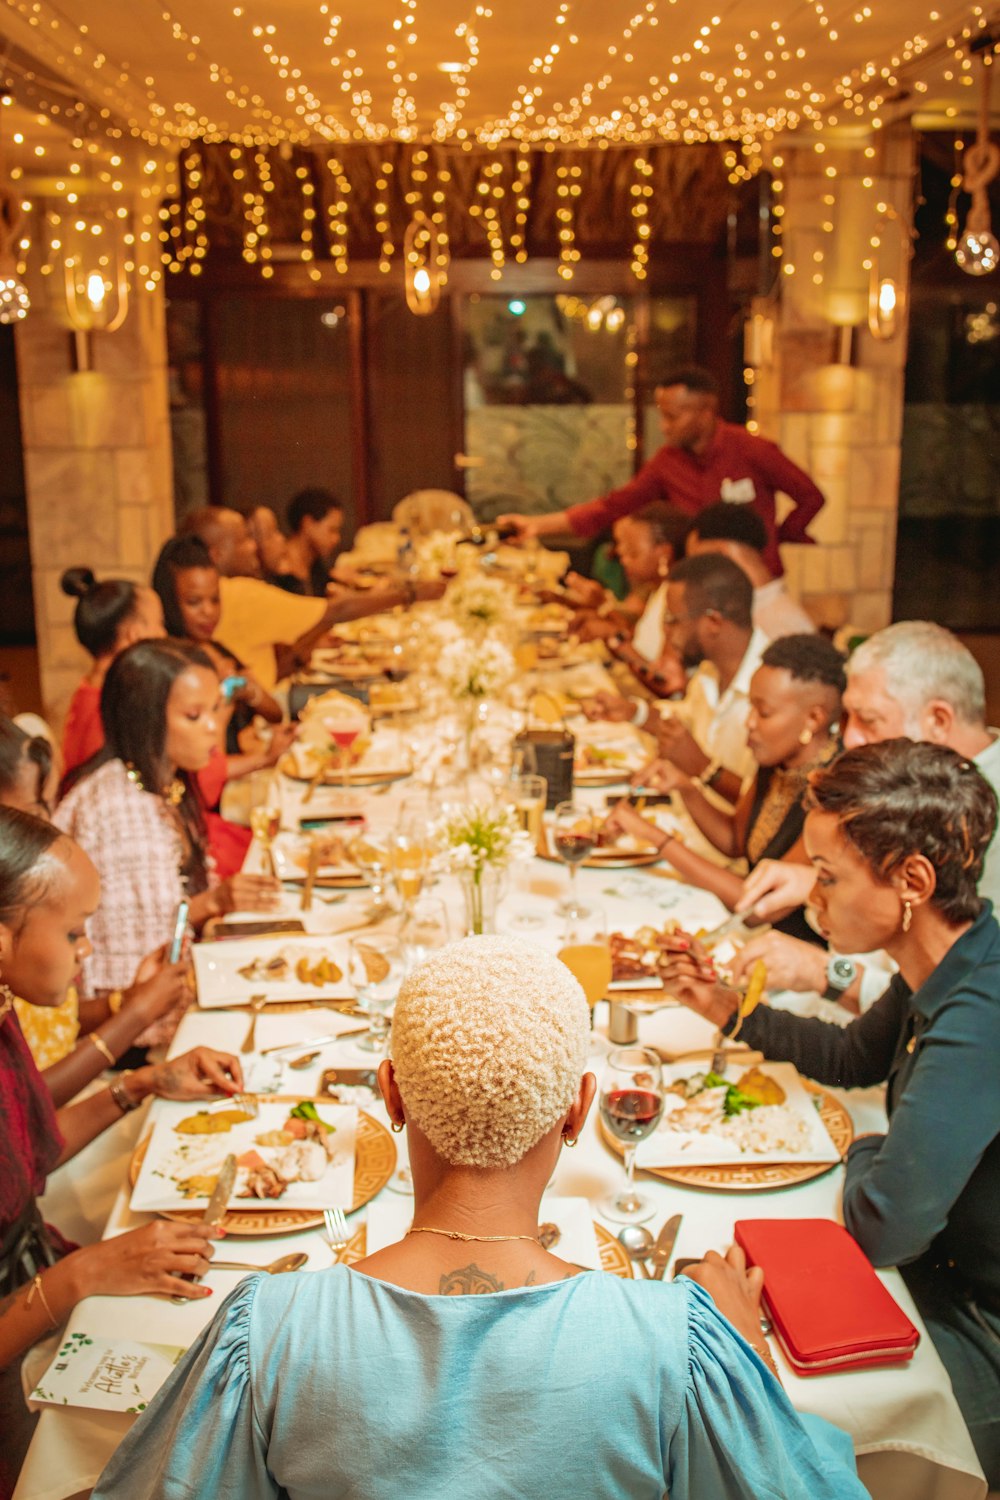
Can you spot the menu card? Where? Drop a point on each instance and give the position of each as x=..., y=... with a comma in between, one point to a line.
x=106, y=1374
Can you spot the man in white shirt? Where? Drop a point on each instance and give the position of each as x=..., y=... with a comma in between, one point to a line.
x=916, y=680
x=737, y=532
x=707, y=624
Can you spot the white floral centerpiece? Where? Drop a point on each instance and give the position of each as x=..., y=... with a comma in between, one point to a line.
x=478, y=605
x=473, y=667
x=480, y=840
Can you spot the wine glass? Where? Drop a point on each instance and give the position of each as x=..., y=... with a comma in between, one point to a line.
x=631, y=1104
x=574, y=834
x=523, y=760
x=370, y=853
x=376, y=966
x=424, y=928
x=587, y=955
x=343, y=732
x=265, y=818
x=408, y=862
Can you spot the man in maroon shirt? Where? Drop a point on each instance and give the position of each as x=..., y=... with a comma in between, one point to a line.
x=703, y=460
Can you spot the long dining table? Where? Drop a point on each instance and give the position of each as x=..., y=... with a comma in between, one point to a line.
x=910, y=1441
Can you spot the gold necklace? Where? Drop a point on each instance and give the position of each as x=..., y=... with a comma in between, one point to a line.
x=173, y=792
x=456, y=1234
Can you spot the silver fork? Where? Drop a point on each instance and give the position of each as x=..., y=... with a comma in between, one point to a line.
x=336, y=1233
x=247, y=1102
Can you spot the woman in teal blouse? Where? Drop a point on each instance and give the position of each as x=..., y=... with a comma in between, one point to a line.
x=466, y=1359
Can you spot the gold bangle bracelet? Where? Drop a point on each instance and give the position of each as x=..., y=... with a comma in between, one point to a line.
x=36, y=1286
x=102, y=1047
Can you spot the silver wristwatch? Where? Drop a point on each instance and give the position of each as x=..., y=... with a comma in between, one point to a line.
x=840, y=974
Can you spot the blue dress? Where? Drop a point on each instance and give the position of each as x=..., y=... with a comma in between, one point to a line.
x=337, y=1385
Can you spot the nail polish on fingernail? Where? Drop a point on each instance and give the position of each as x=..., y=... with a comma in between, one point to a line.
x=206, y=1291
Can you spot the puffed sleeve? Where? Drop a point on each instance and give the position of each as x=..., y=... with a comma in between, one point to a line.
x=199, y=1435
x=740, y=1436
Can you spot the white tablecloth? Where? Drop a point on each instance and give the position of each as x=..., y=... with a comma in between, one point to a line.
x=908, y=1434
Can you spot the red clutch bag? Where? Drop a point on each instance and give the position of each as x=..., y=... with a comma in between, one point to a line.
x=828, y=1309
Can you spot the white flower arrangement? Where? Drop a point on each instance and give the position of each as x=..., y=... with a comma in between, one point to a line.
x=437, y=550
x=478, y=604
x=481, y=834
x=474, y=668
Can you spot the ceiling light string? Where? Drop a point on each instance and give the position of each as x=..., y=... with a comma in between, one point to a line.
x=14, y=299
x=336, y=214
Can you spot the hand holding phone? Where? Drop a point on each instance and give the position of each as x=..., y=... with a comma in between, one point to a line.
x=180, y=928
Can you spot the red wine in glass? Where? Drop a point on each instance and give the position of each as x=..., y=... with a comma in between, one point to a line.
x=631, y=1114
x=573, y=847
x=344, y=738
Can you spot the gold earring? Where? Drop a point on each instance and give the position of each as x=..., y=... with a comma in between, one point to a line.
x=805, y=737
x=396, y=1126
x=6, y=999
x=907, y=915
x=570, y=1141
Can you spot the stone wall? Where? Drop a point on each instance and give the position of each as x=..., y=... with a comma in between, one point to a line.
x=97, y=468
x=833, y=395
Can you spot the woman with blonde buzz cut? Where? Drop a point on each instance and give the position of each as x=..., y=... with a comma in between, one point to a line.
x=466, y=1359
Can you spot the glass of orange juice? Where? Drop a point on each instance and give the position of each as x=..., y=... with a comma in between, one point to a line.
x=408, y=862
x=586, y=953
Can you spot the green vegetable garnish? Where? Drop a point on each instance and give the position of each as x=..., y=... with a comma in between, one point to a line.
x=308, y=1111
x=735, y=1101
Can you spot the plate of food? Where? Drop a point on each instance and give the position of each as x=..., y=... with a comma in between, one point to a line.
x=638, y=960
x=763, y=1127
x=373, y=1161
x=375, y=768
x=337, y=865
x=296, y=1150
x=295, y=968
x=603, y=765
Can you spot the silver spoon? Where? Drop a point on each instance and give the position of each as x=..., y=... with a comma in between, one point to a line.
x=283, y=1263
x=637, y=1242
x=298, y=1063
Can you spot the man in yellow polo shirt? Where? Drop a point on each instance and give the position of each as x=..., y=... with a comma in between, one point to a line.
x=270, y=630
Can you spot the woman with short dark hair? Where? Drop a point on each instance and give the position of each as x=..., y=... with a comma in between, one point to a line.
x=897, y=833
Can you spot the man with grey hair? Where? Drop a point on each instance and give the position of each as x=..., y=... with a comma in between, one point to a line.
x=914, y=680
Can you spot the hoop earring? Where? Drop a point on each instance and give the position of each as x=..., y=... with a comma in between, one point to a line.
x=805, y=737
x=396, y=1126
x=569, y=1141
x=907, y=915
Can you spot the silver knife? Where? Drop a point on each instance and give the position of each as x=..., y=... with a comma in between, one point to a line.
x=664, y=1247
x=215, y=1212
x=733, y=924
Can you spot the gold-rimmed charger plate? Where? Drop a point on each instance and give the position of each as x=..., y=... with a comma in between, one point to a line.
x=611, y=861
x=357, y=776
x=374, y=1164
x=613, y=1257
x=745, y=1177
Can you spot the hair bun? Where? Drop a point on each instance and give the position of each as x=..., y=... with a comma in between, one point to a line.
x=77, y=582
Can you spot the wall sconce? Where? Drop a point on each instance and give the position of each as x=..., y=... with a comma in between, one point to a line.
x=96, y=300
x=978, y=252
x=887, y=297
x=426, y=257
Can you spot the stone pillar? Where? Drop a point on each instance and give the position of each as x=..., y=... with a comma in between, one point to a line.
x=97, y=467
x=833, y=395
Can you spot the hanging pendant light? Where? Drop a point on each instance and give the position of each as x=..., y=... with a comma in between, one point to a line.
x=978, y=252
x=426, y=258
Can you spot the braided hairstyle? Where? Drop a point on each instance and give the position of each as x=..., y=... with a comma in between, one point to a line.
x=903, y=797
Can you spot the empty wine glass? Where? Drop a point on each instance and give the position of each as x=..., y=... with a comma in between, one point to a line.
x=370, y=853
x=376, y=966
x=523, y=760
x=574, y=832
x=425, y=928
x=631, y=1104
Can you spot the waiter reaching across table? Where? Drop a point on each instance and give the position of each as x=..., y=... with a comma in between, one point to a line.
x=702, y=461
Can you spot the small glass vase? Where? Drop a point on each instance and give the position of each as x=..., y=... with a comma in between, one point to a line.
x=482, y=890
